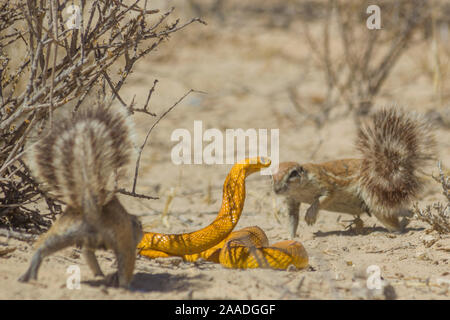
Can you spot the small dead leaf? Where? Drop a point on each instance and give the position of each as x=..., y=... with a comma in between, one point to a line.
x=6, y=251
x=422, y=255
x=330, y=252
x=429, y=240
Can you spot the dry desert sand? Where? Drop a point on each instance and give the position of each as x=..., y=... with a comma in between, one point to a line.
x=245, y=72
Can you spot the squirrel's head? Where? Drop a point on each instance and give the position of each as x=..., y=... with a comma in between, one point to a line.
x=288, y=173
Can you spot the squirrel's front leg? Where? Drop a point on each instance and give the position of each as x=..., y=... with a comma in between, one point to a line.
x=92, y=262
x=125, y=252
x=293, y=207
x=313, y=210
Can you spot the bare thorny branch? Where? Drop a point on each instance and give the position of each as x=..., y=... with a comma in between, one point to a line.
x=45, y=65
x=136, y=172
x=437, y=215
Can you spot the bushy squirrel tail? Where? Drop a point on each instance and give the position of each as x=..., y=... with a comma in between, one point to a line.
x=395, y=146
x=83, y=157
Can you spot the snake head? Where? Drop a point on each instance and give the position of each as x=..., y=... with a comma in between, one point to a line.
x=251, y=165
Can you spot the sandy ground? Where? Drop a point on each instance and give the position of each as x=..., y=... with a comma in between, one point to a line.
x=245, y=73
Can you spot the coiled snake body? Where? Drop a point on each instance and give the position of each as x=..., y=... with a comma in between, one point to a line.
x=245, y=248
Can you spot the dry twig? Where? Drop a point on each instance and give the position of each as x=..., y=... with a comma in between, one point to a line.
x=357, y=61
x=45, y=63
x=437, y=215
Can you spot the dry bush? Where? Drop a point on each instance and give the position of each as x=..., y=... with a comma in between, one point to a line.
x=269, y=13
x=434, y=61
x=46, y=65
x=355, y=60
x=437, y=215
x=437, y=63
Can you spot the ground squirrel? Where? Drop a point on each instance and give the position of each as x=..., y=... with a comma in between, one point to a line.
x=395, y=146
x=81, y=161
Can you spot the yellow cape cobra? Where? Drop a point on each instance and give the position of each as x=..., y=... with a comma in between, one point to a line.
x=246, y=248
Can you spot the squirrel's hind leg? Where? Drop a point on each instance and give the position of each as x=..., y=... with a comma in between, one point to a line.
x=53, y=243
x=32, y=271
x=392, y=222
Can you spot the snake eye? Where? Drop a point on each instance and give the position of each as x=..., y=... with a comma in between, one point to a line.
x=264, y=160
